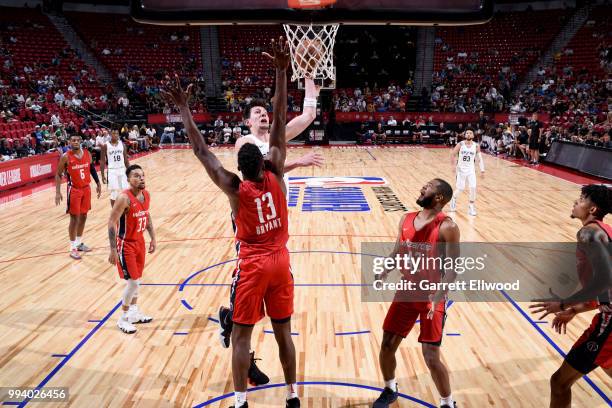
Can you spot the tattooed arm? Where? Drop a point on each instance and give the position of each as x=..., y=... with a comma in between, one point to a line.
x=594, y=242
x=122, y=203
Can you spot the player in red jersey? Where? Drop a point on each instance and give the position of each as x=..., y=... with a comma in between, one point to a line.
x=78, y=166
x=262, y=280
x=431, y=227
x=130, y=215
x=594, y=348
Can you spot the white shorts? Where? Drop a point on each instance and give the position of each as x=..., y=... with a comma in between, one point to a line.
x=117, y=182
x=462, y=176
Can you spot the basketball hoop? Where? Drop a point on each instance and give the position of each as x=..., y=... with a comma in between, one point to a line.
x=311, y=47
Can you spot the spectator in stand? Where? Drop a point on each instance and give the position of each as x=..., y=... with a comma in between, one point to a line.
x=362, y=135
x=391, y=121
x=167, y=134
x=6, y=152
x=443, y=133
x=55, y=119
x=59, y=98
x=236, y=132
x=523, y=142
x=152, y=135
x=227, y=133
x=133, y=136
x=380, y=137
x=218, y=122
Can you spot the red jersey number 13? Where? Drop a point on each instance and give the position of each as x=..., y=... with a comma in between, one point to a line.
x=266, y=198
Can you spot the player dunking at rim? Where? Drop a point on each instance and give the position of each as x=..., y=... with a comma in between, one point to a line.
x=129, y=219
x=262, y=279
x=78, y=165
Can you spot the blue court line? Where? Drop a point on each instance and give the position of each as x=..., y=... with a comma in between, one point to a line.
x=213, y=320
x=73, y=351
x=190, y=277
x=305, y=383
x=11, y=403
x=93, y=321
x=187, y=305
x=59, y=355
x=555, y=346
x=272, y=332
x=371, y=155
x=193, y=275
x=453, y=334
x=351, y=333
x=181, y=333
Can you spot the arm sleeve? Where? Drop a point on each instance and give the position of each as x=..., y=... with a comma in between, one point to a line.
x=94, y=173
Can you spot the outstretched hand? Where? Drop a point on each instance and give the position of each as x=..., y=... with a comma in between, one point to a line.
x=173, y=92
x=280, y=53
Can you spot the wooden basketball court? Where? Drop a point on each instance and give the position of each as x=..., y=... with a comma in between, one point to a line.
x=58, y=316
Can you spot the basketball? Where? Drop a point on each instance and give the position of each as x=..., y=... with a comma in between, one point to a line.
x=308, y=55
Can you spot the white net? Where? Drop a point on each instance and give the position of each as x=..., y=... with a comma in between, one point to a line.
x=312, y=48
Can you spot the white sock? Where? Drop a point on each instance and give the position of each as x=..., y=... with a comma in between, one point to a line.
x=239, y=398
x=72, y=245
x=124, y=315
x=391, y=384
x=291, y=391
x=78, y=241
x=447, y=401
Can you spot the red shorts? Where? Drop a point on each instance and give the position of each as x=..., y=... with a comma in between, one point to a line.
x=78, y=200
x=401, y=316
x=262, y=281
x=131, y=259
x=594, y=348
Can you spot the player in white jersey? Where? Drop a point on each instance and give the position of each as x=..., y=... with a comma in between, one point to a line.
x=114, y=154
x=256, y=118
x=463, y=160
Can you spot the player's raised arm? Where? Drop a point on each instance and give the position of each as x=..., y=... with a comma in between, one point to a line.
x=298, y=124
x=278, y=144
x=225, y=180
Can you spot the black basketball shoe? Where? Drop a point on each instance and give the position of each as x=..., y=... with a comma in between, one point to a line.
x=225, y=326
x=293, y=403
x=256, y=377
x=386, y=398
